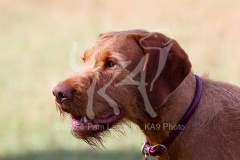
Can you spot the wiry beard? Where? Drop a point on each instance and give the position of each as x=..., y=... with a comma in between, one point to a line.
x=96, y=140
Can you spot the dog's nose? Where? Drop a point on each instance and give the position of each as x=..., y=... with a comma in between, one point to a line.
x=62, y=93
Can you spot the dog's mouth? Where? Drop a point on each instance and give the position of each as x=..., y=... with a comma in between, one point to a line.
x=81, y=124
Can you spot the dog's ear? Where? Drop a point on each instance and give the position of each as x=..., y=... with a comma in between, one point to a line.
x=166, y=68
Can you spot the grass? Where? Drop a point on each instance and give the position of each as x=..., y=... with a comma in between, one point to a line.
x=35, y=43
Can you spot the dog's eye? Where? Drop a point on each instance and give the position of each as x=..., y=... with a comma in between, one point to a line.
x=83, y=59
x=111, y=64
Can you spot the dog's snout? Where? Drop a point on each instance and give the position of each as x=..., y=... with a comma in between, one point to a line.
x=62, y=93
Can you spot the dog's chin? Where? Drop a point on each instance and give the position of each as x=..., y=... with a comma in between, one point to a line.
x=91, y=130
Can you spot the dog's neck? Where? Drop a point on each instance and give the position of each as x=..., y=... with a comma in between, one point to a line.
x=156, y=129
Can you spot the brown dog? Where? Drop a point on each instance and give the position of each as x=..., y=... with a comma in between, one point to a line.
x=146, y=78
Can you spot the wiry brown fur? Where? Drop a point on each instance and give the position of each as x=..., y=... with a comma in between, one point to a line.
x=213, y=132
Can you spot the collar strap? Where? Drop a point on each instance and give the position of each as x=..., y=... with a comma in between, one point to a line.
x=158, y=149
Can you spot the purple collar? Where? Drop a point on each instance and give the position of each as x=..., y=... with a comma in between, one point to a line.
x=158, y=149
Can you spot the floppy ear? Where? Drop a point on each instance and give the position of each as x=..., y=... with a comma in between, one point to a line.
x=167, y=65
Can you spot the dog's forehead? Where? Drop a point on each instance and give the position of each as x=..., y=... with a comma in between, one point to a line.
x=108, y=45
x=119, y=45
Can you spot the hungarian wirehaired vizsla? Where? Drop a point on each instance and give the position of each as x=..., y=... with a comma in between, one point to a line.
x=146, y=78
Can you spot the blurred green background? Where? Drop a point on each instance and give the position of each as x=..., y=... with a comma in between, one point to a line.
x=36, y=38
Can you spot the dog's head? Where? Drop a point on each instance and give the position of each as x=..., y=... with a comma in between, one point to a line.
x=126, y=76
